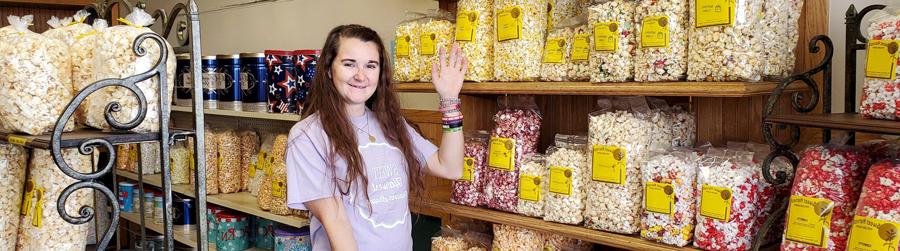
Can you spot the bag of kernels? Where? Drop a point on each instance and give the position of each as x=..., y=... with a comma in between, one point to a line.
x=115, y=58
x=517, y=129
x=612, y=24
x=881, y=91
x=669, y=179
x=824, y=194
x=468, y=189
x=620, y=134
x=725, y=47
x=567, y=173
x=475, y=35
x=406, y=56
x=532, y=186
x=521, y=27
x=35, y=80
x=878, y=210
x=435, y=32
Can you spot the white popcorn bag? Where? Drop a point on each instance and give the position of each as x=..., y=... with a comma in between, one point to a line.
x=881, y=95
x=82, y=51
x=669, y=206
x=613, y=42
x=114, y=58
x=723, y=47
x=150, y=158
x=533, y=186
x=509, y=238
x=475, y=35
x=406, y=50
x=35, y=82
x=229, y=144
x=435, y=32
x=661, y=37
x=684, y=128
x=781, y=33
x=663, y=123
x=563, y=58
x=521, y=27
x=567, y=173
x=249, y=151
x=68, y=29
x=13, y=160
x=181, y=161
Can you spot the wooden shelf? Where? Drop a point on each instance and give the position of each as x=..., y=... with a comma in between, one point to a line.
x=186, y=237
x=75, y=138
x=243, y=201
x=254, y=115
x=61, y=3
x=678, y=89
x=840, y=121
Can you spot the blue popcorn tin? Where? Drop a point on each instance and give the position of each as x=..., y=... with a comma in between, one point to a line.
x=210, y=82
x=230, y=90
x=183, y=90
x=282, y=91
x=254, y=82
x=184, y=212
x=126, y=196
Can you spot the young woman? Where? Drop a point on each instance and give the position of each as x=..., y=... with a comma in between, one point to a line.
x=353, y=160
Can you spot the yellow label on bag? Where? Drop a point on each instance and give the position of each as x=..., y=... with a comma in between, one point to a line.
x=529, y=187
x=715, y=202
x=655, y=32
x=659, y=197
x=502, y=154
x=252, y=170
x=38, y=208
x=561, y=180
x=606, y=36
x=270, y=163
x=509, y=23
x=279, y=188
x=714, y=13
x=28, y=197
x=428, y=44
x=809, y=220
x=581, y=47
x=16, y=140
x=554, y=50
x=466, y=25
x=870, y=234
x=402, y=49
x=468, y=169
x=608, y=164
x=881, y=59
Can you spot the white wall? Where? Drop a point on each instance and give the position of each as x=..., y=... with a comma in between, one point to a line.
x=298, y=24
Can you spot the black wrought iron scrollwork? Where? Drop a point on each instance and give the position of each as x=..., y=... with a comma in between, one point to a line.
x=104, y=9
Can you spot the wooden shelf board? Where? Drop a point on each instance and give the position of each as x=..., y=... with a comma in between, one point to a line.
x=839, y=121
x=61, y=3
x=243, y=201
x=680, y=89
x=254, y=115
x=186, y=237
x=75, y=138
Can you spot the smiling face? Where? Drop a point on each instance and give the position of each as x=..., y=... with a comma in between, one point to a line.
x=355, y=71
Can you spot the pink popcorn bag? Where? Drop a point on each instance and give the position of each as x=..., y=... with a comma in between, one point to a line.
x=517, y=129
x=468, y=189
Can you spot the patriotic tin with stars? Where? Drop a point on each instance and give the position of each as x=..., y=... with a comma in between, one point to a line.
x=233, y=232
x=210, y=82
x=230, y=92
x=265, y=233
x=254, y=79
x=306, y=69
x=282, y=93
x=292, y=239
x=182, y=87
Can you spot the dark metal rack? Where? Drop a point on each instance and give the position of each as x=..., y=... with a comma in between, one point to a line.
x=187, y=40
x=804, y=108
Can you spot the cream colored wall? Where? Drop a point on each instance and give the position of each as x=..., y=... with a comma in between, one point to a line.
x=298, y=24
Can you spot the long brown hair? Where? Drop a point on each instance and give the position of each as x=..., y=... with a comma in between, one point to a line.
x=325, y=99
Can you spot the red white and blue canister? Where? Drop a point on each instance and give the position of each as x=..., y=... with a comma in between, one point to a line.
x=126, y=196
x=282, y=81
x=306, y=69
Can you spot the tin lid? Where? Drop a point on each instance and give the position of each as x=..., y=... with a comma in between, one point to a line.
x=279, y=53
x=307, y=52
x=126, y=184
x=291, y=231
x=208, y=57
x=228, y=56
x=253, y=55
x=186, y=200
x=183, y=56
x=157, y=198
x=229, y=215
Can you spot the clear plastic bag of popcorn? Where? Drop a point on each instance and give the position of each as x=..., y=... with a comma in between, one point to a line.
x=406, y=50
x=612, y=54
x=824, y=195
x=560, y=11
x=559, y=51
x=42, y=228
x=684, y=127
x=521, y=27
x=114, y=58
x=768, y=193
x=229, y=143
x=727, y=187
x=567, y=164
x=517, y=129
x=559, y=242
x=511, y=238
x=436, y=31
x=662, y=44
x=126, y=157
x=182, y=158
x=82, y=51
x=475, y=35
x=68, y=29
x=468, y=189
x=211, y=147
x=881, y=90
x=669, y=179
x=878, y=210
x=459, y=238
x=263, y=160
x=881, y=149
x=726, y=47
x=620, y=133
x=35, y=80
x=273, y=188
x=14, y=160
x=663, y=122
x=150, y=157
x=579, y=59
x=249, y=152
x=533, y=185
x=781, y=32
x=279, y=189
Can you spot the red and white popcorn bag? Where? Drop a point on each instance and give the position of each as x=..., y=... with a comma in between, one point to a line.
x=468, y=189
x=824, y=194
x=881, y=91
x=517, y=129
x=877, y=218
x=727, y=187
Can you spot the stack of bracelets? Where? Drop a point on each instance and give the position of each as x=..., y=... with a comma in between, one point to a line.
x=453, y=118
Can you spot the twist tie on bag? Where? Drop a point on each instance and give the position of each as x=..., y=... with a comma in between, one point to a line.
x=54, y=22
x=67, y=21
x=20, y=24
x=138, y=19
x=80, y=16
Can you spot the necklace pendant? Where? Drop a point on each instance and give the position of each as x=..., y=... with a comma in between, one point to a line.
x=371, y=138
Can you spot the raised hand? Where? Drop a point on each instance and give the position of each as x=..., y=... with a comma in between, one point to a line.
x=449, y=72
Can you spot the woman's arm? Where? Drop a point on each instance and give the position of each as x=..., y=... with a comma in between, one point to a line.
x=448, y=76
x=330, y=211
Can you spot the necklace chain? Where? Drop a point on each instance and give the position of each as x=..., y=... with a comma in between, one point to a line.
x=371, y=137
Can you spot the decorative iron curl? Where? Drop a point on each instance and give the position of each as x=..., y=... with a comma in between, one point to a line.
x=856, y=18
x=87, y=213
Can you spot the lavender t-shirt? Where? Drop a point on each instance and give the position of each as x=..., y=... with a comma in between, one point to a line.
x=387, y=225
